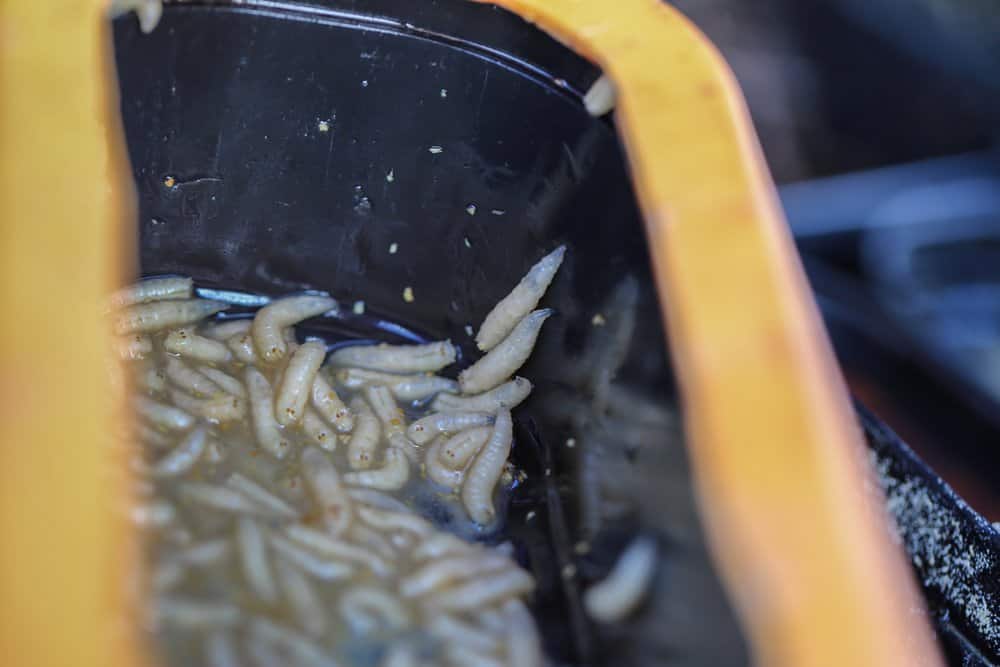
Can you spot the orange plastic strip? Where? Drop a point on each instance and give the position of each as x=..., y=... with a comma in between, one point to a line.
x=796, y=524
x=64, y=193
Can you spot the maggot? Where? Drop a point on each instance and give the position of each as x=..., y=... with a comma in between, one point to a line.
x=329, y=405
x=241, y=345
x=459, y=449
x=621, y=592
x=365, y=609
x=163, y=415
x=269, y=436
x=427, y=428
x=196, y=614
x=337, y=549
x=317, y=430
x=182, y=457
x=503, y=360
x=297, y=382
x=223, y=331
x=268, y=502
x=134, y=347
x=508, y=395
x=273, y=318
x=522, y=299
x=254, y=560
x=301, y=650
x=159, y=315
x=439, y=473
x=443, y=572
x=480, y=592
x=325, y=569
x=301, y=595
x=450, y=629
x=600, y=97
x=189, y=379
x=220, y=408
x=393, y=474
x=323, y=482
x=220, y=498
x=430, y=357
x=160, y=288
x=384, y=406
x=482, y=478
x=414, y=387
x=226, y=382
x=364, y=441
x=186, y=343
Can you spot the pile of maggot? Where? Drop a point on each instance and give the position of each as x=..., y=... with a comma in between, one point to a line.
x=272, y=484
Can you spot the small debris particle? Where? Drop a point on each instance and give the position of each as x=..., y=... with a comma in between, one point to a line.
x=598, y=320
x=571, y=442
x=468, y=330
x=498, y=211
x=529, y=516
x=393, y=248
x=471, y=209
x=359, y=308
x=561, y=83
x=169, y=181
x=391, y=176
x=581, y=548
x=444, y=92
x=569, y=571
x=436, y=149
x=408, y=294
x=548, y=472
x=324, y=126
x=468, y=243
x=364, y=84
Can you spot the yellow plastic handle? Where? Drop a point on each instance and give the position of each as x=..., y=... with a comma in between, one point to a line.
x=794, y=523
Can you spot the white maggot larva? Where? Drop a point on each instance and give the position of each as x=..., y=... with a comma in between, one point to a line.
x=196, y=614
x=334, y=548
x=462, y=656
x=403, y=387
x=482, y=478
x=261, y=497
x=427, y=358
x=167, y=576
x=323, y=482
x=439, y=473
x=318, y=431
x=479, y=593
x=154, y=515
x=621, y=592
x=306, y=606
x=254, y=559
x=378, y=500
x=301, y=650
x=163, y=415
x=204, y=554
x=440, y=573
x=153, y=289
x=524, y=647
x=134, y=347
x=226, y=382
x=330, y=407
x=150, y=436
x=324, y=569
x=241, y=345
x=449, y=629
x=220, y=408
x=366, y=609
x=503, y=360
x=221, y=499
x=401, y=655
x=183, y=457
x=384, y=406
x=297, y=382
x=388, y=521
x=189, y=379
x=363, y=446
x=427, y=428
x=439, y=545
x=393, y=474
x=159, y=315
x=186, y=343
x=220, y=650
x=600, y=97
x=273, y=318
x=459, y=449
x=522, y=299
x=223, y=331
x=508, y=395
x=373, y=540
x=152, y=379
x=269, y=435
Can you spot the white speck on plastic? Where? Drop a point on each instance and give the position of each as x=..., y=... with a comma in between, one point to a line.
x=391, y=176
x=571, y=442
x=471, y=209
x=408, y=294
x=364, y=84
x=393, y=248
x=569, y=571
x=359, y=308
x=468, y=243
x=435, y=150
x=469, y=331
x=529, y=516
x=498, y=211
x=444, y=92
x=323, y=126
x=598, y=320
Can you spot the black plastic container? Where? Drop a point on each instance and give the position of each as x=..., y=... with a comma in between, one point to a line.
x=363, y=148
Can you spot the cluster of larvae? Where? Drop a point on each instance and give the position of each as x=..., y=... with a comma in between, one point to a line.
x=276, y=485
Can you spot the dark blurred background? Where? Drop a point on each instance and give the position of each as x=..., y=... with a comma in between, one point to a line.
x=879, y=122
